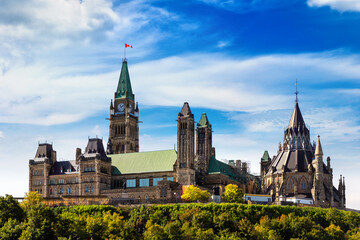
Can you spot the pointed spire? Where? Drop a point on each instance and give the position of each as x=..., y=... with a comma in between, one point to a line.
x=266, y=157
x=185, y=111
x=296, y=120
x=124, y=84
x=111, y=105
x=203, y=121
x=318, y=150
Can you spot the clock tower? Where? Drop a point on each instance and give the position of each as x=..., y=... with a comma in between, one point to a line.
x=124, y=117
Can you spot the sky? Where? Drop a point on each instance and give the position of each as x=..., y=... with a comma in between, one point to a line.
x=235, y=60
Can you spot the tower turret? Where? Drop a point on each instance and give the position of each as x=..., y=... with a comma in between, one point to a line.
x=124, y=116
x=203, y=148
x=185, y=144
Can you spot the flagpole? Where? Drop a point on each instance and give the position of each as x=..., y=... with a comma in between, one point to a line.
x=124, y=51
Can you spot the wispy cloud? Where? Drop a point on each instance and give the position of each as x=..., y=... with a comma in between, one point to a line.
x=244, y=6
x=339, y=5
x=1, y=134
x=47, y=97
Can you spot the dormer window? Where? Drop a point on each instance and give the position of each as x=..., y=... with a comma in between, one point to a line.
x=61, y=170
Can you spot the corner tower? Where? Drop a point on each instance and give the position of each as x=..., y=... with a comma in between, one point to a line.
x=203, y=148
x=124, y=117
x=185, y=145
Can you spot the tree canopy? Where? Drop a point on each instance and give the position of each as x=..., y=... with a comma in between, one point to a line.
x=192, y=194
x=233, y=194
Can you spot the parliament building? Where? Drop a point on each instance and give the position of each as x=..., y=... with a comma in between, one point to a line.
x=122, y=174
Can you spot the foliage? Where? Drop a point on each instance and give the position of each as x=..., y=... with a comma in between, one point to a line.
x=233, y=193
x=228, y=221
x=10, y=208
x=31, y=199
x=192, y=194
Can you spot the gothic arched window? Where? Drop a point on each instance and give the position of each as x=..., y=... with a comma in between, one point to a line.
x=303, y=184
x=290, y=184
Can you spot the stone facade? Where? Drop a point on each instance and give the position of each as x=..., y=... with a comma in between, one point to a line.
x=298, y=173
x=122, y=174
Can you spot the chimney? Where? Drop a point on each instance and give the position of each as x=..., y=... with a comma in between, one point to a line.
x=78, y=153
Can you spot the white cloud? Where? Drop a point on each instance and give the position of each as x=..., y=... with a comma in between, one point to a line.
x=1, y=134
x=49, y=94
x=31, y=29
x=96, y=131
x=339, y=5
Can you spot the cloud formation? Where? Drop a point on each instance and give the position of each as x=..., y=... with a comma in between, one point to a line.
x=244, y=6
x=339, y=5
x=47, y=97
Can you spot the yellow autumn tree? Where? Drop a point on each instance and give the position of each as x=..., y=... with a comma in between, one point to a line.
x=192, y=194
x=233, y=193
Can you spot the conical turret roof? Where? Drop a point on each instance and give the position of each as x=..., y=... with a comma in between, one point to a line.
x=204, y=121
x=296, y=119
x=124, y=84
x=266, y=157
x=185, y=111
x=318, y=150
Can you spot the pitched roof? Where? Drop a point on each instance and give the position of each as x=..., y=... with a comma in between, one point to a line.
x=124, y=84
x=95, y=145
x=64, y=167
x=185, y=111
x=218, y=167
x=265, y=157
x=143, y=162
x=203, y=121
x=44, y=151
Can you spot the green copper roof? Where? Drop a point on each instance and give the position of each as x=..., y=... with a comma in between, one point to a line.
x=124, y=84
x=142, y=162
x=203, y=121
x=265, y=157
x=218, y=167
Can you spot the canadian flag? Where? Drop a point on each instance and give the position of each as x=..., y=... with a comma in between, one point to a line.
x=127, y=45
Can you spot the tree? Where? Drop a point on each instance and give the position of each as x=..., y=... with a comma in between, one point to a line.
x=31, y=199
x=10, y=208
x=233, y=193
x=192, y=194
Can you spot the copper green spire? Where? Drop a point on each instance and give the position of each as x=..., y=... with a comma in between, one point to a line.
x=203, y=121
x=124, y=84
x=266, y=157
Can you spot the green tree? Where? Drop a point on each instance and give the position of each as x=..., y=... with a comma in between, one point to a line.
x=31, y=199
x=10, y=208
x=335, y=232
x=233, y=193
x=192, y=194
x=11, y=230
x=154, y=232
x=40, y=223
x=174, y=231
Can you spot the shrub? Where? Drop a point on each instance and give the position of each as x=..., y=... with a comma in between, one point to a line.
x=233, y=193
x=192, y=194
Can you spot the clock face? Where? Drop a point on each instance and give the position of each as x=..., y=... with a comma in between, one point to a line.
x=130, y=108
x=121, y=107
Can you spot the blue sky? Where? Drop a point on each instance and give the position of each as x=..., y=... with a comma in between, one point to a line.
x=235, y=60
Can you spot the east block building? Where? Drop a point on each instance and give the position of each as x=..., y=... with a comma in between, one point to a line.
x=123, y=174
x=298, y=173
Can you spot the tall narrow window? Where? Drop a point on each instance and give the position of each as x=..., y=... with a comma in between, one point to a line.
x=290, y=184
